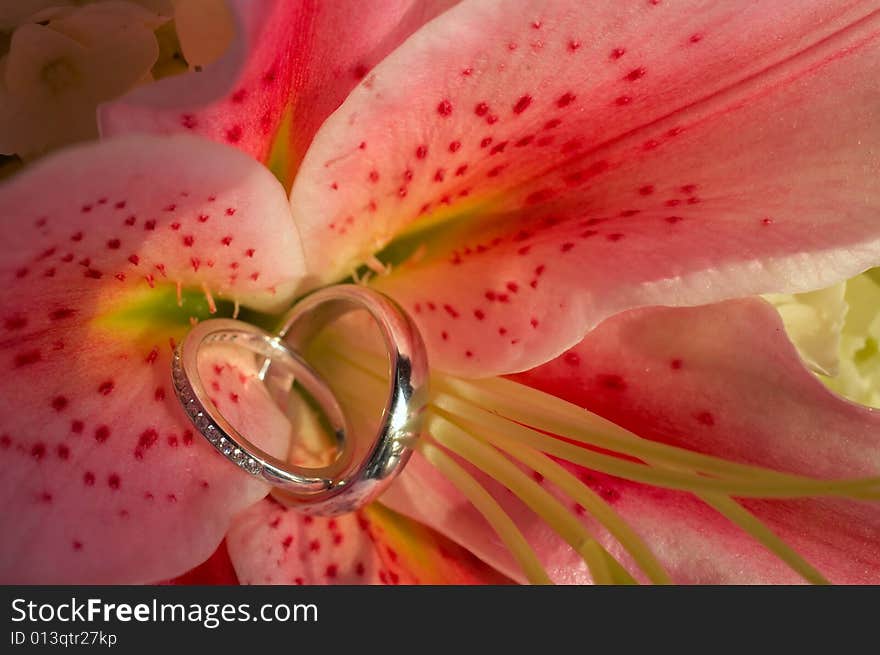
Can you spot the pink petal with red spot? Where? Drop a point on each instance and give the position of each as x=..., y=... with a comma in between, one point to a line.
x=107, y=479
x=579, y=159
x=722, y=380
x=270, y=544
x=140, y=212
x=287, y=57
x=216, y=570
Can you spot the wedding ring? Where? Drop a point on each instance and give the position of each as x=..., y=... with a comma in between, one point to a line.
x=348, y=482
x=408, y=373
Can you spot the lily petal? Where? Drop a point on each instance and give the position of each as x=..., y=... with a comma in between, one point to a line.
x=269, y=544
x=679, y=376
x=286, y=65
x=579, y=159
x=216, y=570
x=109, y=250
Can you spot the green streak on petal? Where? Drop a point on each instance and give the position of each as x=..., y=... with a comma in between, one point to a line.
x=171, y=60
x=874, y=275
x=280, y=160
x=158, y=309
x=436, y=233
x=424, y=552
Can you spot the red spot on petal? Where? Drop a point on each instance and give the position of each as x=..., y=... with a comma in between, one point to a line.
x=451, y=311
x=565, y=99
x=611, y=382
x=234, y=134
x=38, y=451
x=27, y=358
x=15, y=322
x=706, y=418
x=522, y=104
x=635, y=74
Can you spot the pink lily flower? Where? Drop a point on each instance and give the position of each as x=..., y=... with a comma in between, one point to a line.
x=579, y=197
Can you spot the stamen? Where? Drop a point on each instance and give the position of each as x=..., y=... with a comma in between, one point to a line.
x=373, y=263
x=539, y=500
x=590, y=501
x=523, y=423
x=759, y=482
x=738, y=515
x=363, y=384
x=212, y=306
x=556, y=416
x=682, y=480
x=503, y=525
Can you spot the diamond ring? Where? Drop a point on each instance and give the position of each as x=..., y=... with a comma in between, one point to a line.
x=350, y=481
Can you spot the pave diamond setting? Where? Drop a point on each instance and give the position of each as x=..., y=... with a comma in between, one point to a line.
x=223, y=442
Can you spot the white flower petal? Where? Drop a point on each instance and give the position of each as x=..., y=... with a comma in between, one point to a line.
x=814, y=321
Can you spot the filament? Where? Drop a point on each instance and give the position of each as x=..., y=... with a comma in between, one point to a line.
x=496, y=424
x=482, y=500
